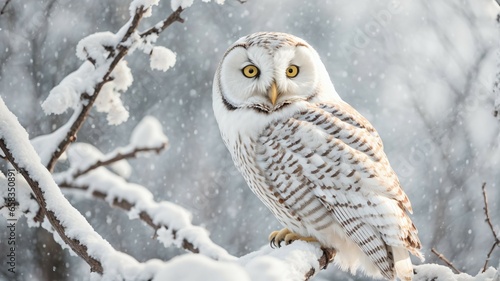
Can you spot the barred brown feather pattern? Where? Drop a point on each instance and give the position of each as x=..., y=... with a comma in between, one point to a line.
x=312, y=159
x=325, y=166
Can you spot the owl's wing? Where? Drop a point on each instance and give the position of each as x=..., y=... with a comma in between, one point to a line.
x=336, y=154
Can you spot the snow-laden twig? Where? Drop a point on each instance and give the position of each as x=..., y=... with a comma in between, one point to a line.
x=160, y=27
x=445, y=260
x=171, y=223
x=147, y=137
x=496, y=241
x=104, y=72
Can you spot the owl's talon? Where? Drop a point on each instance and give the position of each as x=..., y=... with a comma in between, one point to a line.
x=285, y=235
x=271, y=243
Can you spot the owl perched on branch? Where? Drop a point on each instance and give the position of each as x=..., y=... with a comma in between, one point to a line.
x=312, y=159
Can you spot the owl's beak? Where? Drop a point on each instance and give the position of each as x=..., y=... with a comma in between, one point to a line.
x=273, y=93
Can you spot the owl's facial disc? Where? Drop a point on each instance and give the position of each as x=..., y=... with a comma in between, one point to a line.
x=265, y=79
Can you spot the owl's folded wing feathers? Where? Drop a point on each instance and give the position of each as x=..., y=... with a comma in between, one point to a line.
x=341, y=154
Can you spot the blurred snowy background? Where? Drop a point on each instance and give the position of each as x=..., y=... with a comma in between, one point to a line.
x=421, y=72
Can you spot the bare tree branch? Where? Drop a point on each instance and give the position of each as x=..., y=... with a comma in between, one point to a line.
x=445, y=260
x=4, y=6
x=75, y=245
x=493, y=232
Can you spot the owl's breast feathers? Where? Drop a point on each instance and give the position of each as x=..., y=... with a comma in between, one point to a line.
x=326, y=166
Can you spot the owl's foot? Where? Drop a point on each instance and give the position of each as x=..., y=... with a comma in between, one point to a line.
x=285, y=235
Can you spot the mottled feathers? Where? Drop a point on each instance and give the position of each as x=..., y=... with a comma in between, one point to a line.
x=311, y=158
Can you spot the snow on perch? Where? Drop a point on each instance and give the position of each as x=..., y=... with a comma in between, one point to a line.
x=162, y=58
x=196, y=267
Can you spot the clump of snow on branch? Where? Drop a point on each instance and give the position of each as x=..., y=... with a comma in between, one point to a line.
x=109, y=100
x=148, y=133
x=175, y=4
x=427, y=272
x=23, y=204
x=147, y=4
x=196, y=267
x=94, y=46
x=162, y=58
x=67, y=93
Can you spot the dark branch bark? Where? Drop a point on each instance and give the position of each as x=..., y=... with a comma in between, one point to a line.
x=4, y=6
x=75, y=245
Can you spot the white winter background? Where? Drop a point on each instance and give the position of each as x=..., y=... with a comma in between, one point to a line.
x=422, y=74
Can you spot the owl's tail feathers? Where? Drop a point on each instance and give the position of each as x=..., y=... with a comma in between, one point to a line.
x=402, y=263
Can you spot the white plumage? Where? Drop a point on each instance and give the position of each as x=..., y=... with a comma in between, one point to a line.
x=311, y=158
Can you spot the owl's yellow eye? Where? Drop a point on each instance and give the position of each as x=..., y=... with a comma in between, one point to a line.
x=250, y=71
x=292, y=71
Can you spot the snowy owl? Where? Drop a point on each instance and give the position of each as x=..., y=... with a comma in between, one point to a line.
x=311, y=158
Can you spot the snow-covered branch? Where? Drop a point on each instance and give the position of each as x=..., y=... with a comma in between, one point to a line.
x=171, y=223
x=104, y=71
x=146, y=138
x=62, y=216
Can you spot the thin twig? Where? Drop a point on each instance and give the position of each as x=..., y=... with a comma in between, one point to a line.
x=4, y=6
x=488, y=221
x=445, y=260
x=74, y=244
x=175, y=16
x=118, y=157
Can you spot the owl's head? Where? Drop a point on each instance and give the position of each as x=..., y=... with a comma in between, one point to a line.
x=266, y=72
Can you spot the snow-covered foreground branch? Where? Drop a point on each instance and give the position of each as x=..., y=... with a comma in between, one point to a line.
x=171, y=223
x=298, y=261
